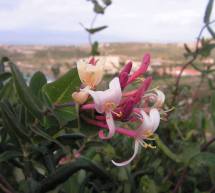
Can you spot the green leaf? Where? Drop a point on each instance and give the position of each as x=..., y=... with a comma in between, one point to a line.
x=46, y=136
x=12, y=123
x=206, y=49
x=203, y=159
x=4, y=76
x=190, y=150
x=97, y=29
x=37, y=82
x=208, y=11
x=60, y=91
x=95, y=49
x=25, y=95
x=107, y=2
x=64, y=115
x=98, y=8
x=7, y=92
x=9, y=155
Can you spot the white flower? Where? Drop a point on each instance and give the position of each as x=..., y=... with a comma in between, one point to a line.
x=146, y=130
x=106, y=101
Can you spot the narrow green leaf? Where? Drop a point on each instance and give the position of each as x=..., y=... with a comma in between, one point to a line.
x=12, y=122
x=203, y=159
x=97, y=29
x=25, y=95
x=4, y=76
x=8, y=91
x=46, y=136
x=37, y=82
x=9, y=155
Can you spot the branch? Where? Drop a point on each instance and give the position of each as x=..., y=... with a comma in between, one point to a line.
x=5, y=190
x=5, y=186
x=64, y=172
x=181, y=180
x=205, y=146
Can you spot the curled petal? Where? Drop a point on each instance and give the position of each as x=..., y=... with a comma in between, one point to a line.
x=155, y=118
x=140, y=92
x=128, y=108
x=160, y=98
x=136, y=147
x=127, y=68
x=116, y=90
x=123, y=78
x=111, y=127
x=147, y=123
x=151, y=121
x=141, y=70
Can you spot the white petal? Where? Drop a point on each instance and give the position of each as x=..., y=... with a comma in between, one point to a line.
x=112, y=95
x=160, y=98
x=147, y=123
x=155, y=118
x=136, y=147
x=111, y=126
x=98, y=98
x=116, y=90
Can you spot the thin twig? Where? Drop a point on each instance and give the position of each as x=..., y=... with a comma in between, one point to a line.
x=195, y=56
x=205, y=146
x=91, y=26
x=212, y=189
x=4, y=189
x=6, y=184
x=181, y=180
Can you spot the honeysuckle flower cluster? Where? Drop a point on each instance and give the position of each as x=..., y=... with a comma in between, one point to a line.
x=139, y=106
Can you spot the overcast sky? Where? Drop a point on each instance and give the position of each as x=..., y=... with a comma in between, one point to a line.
x=57, y=21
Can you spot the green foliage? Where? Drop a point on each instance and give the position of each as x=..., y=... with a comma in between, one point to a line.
x=46, y=147
x=96, y=29
x=60, y=90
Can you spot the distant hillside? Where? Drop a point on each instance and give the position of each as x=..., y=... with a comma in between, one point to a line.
x=32, y=58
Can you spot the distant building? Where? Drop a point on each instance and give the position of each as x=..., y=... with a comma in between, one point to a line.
x=175, y=71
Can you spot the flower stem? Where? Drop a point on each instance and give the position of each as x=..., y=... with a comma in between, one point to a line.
x=126, y=132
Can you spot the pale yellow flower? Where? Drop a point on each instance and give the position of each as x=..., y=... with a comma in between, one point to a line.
x=80, y=97
x=90, y=73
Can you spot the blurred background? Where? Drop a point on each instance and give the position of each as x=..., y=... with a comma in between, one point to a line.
x=51, y=35
x=42, y=35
